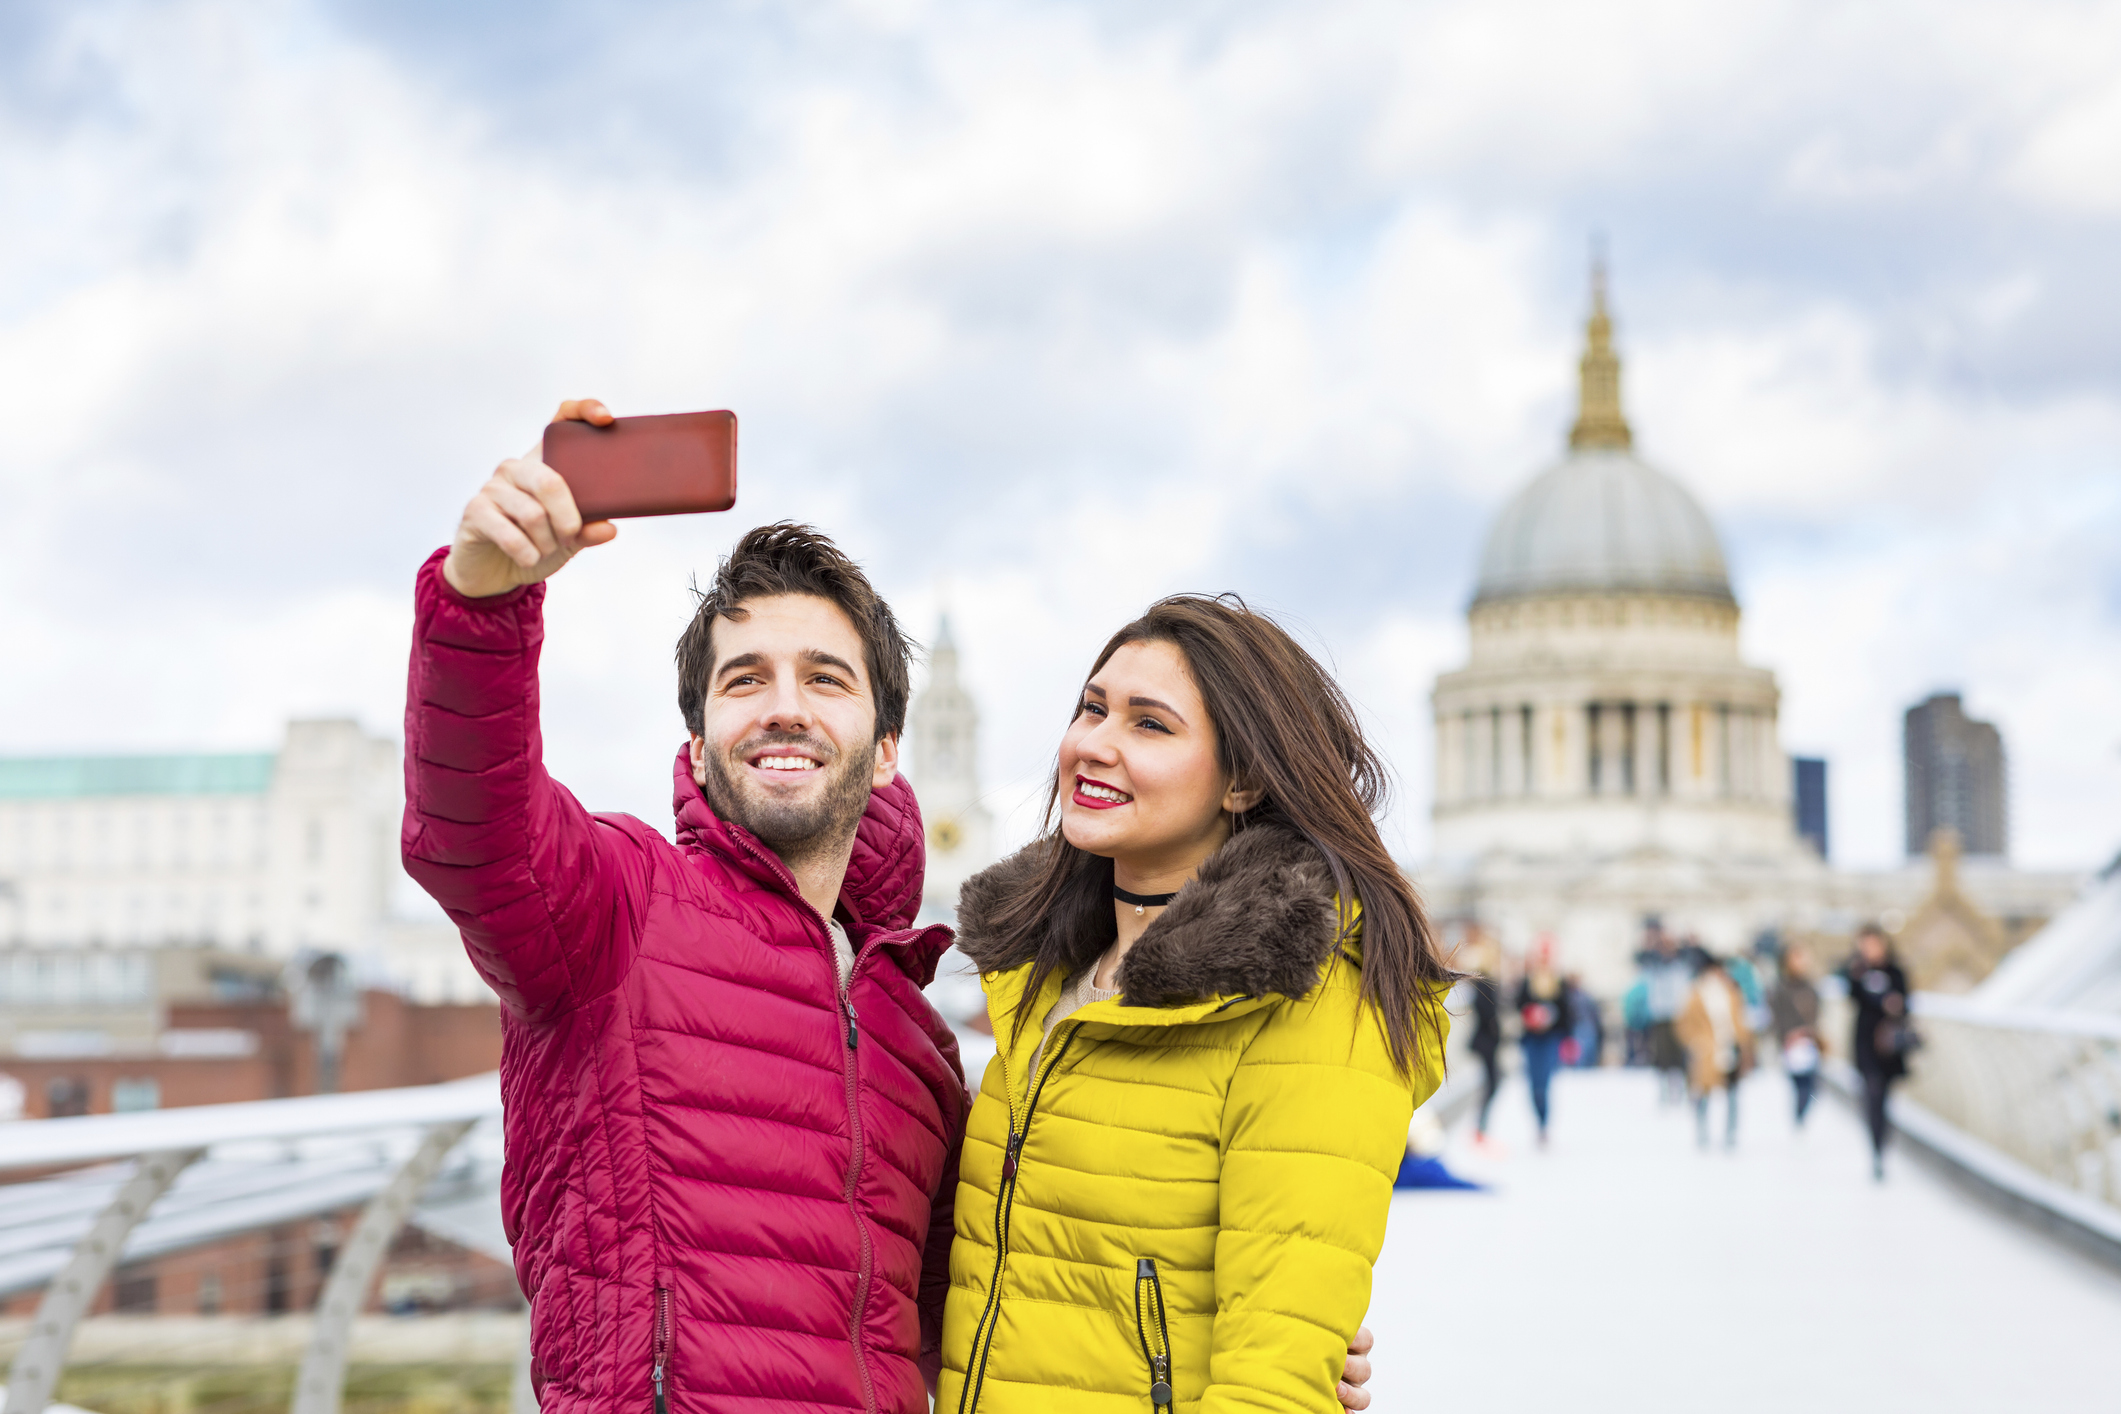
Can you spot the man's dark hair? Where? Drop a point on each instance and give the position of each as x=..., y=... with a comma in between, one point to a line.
x=786, y=558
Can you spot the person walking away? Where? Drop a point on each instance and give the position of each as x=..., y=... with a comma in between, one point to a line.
x=1486, y=1044
x=1543, y=1019
x=1635, y=1023
x=1216, y=1003
x=1795, y=1010
x=731, y=1118
x=1588, y=1025
x=1669, y=977
x=1719, y=1044
x=1879, y=1041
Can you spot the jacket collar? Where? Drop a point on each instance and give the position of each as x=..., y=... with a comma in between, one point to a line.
x=884, y=877
x=1261, y=918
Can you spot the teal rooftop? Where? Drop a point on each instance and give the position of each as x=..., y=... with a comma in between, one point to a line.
x=74, y=777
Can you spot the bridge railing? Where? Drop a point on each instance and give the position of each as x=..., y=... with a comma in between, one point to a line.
x=2043, y=1087
x=65, y=1236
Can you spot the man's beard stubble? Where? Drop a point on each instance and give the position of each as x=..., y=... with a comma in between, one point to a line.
x=796, y=830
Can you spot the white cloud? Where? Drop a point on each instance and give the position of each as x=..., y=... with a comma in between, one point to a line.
x=1071, y=309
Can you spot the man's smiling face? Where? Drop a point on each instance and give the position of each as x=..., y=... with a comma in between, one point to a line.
x=790, y=749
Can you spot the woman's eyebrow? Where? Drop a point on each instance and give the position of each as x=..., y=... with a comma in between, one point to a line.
x=1159, y=706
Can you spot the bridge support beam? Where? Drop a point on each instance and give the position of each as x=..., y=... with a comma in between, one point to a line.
x=322, y=1379
x=35, y=1374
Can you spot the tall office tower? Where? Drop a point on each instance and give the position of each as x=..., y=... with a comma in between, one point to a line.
x=1808, y=799
x=1956, y=778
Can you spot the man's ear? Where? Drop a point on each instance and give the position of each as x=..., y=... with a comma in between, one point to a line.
x=699, y=760
x=886, y=762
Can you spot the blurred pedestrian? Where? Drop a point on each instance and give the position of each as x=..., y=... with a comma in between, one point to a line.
x=1635, y=1018
x=1544, y=1020
x=1795, y=1010
x=1486, y=1043
x=1719, y=1046
x=1882, y=1036
x=1588, y=1028
x=1667, y=976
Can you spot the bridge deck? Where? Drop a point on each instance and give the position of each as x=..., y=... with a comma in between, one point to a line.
x=1623, y=1269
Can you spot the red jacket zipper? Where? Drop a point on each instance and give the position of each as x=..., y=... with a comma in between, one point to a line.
x=662, y=1345
x=852, y=1039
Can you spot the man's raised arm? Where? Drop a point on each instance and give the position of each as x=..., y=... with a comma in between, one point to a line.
x=545, y=896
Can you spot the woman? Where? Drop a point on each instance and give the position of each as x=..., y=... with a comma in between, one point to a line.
x=1719, y=1046
x=1879, y=1045
x=1796, y=1013
x=1216, y=1002
x=1544, y=1018
x=1486, y=1044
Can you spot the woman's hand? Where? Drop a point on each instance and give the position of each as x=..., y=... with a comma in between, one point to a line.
x=1357, y=1372
x=523, y=525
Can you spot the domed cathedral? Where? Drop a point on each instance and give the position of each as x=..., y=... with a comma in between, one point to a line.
x=1606, y=753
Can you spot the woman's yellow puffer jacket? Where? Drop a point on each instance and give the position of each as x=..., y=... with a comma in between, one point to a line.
x=1182, y=1207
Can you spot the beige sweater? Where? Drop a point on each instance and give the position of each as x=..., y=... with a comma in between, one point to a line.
x=1081, y=991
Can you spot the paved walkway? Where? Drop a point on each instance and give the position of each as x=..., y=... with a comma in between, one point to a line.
x=1623, y=1269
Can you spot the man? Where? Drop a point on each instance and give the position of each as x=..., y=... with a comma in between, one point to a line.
x=1796, y=1016
x=1669, y=977
x=732, y=1118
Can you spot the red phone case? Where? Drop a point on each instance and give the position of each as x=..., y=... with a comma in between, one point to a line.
x=677, y=464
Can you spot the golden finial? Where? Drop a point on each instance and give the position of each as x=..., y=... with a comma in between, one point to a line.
x=1599, y=422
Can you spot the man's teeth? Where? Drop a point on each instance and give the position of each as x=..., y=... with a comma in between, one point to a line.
x=785, y=763
x=1097, y=792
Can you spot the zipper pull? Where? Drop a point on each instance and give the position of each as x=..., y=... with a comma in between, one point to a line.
x=853, y=1035
x=662, y=1345
x=1160, y=1391
x=1016, y=1143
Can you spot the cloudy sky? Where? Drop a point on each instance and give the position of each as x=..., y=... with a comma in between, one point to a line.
x=1046, y=309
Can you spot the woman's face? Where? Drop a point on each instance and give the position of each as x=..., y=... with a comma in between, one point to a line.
x=1871, y=948
x=1139, y=779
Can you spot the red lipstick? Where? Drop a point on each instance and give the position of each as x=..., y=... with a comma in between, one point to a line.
x=1093, y=802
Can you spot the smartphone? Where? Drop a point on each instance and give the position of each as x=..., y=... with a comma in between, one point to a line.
x=677, y=464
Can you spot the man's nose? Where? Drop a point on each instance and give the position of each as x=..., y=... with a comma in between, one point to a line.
x=786, y=711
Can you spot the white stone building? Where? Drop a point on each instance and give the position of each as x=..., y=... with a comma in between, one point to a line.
x=267, y=853
x=942, y=727
x=1607, y=754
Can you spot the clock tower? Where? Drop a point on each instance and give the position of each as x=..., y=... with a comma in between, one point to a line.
x=943, y=737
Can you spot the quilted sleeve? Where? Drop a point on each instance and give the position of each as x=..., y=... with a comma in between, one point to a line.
x=547, y=897
x=1314, y=1127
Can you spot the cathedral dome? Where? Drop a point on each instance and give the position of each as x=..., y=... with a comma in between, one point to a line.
x=1602, y=520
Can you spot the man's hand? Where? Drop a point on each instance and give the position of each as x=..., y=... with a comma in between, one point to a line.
x=1357, y=1374
x=522, y=526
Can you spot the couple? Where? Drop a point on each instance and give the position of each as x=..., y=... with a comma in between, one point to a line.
x=742, y=1169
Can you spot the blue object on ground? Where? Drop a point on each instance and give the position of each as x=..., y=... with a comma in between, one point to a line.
x=1427, y=1173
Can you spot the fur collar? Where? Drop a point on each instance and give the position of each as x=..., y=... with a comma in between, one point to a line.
x=1258, y=919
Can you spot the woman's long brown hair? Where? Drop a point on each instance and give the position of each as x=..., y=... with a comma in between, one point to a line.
x=1282, y=726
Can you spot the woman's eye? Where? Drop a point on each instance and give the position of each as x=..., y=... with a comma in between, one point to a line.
x=1089, y=708
x=1151, y=724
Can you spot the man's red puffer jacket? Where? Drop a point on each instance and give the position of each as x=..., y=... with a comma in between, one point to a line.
x=716, y=1164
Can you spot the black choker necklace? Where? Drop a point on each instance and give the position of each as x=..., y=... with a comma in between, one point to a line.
x=1141, y=901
